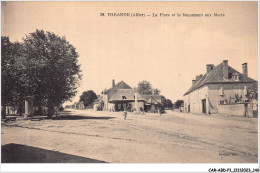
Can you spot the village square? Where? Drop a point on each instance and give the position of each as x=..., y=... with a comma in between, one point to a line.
x=81, y=87
x=138, y=125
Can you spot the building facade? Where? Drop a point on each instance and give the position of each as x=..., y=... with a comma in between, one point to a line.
x=221, y=85
x=122, y=97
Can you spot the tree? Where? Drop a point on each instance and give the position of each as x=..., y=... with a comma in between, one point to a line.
x=169, y=103
x=50, y=69
x=88, y=97
x=156, y=91
x=178, y=103
x=11, y=89
x=163, y=104
x=6, y=73
x=252, y=92
x=144, y=87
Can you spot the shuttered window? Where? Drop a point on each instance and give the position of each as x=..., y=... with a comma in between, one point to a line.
x=221, y=91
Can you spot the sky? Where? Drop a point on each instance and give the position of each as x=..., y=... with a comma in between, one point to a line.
x=166, y=51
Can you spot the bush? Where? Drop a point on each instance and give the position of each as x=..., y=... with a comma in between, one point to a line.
x=100, y=105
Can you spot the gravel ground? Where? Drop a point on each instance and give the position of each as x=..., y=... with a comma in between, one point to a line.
x=171, y=138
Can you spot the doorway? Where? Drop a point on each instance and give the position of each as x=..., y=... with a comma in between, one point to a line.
x=204, y=108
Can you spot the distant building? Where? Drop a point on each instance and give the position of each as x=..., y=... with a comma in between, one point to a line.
x=221, y=85
x=152, y=102
x=125, y=99
x=121, y=96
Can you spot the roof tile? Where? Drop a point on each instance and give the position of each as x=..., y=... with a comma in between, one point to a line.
x=216, y=76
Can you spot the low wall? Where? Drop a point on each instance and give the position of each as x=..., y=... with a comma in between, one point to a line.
x=235, y=110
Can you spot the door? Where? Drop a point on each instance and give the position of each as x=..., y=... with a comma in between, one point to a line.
x=204, y=106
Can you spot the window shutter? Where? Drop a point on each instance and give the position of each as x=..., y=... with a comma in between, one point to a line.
x=221, y=91
x=245, y=90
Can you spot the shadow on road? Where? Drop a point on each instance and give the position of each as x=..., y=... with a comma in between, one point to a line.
x=69, y=115
x=16, y=153
x=79, y=117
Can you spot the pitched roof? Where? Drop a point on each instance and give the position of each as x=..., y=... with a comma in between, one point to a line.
x=216, y=76
x=127, y=93
x=152, y=98
x=119, y=85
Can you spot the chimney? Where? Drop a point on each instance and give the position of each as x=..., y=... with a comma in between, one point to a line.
x=198, y=77
x=113, y=83
x=244, y=67
x=225, y=69
x=209, y=67
x=193, y=82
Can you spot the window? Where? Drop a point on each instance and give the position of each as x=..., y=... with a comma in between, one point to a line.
x=235, y=77
x=123, y=97
x=230, y=75
x=221, y=91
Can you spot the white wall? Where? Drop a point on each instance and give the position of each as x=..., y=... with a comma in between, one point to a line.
x=236, y=110
x=211, y=94
x=194, y=99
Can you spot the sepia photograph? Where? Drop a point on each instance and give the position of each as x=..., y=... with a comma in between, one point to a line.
x=142, y=82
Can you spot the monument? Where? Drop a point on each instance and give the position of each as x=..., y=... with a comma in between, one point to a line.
x=137, y=108
x=28, y=106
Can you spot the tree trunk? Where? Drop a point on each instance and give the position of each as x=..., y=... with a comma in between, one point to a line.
x=3, y=112
x=20, y=109
x=40, y=110
x=50, y=110
x=8, y=111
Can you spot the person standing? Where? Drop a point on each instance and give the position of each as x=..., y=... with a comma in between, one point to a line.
x=125, y=114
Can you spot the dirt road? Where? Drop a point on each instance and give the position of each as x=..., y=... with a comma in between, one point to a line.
x=171, y=138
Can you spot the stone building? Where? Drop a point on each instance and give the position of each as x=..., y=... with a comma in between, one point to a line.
x=121, y=96
x=127, y=99
x=221, y=85
x=153, y=102
x=107, y=94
